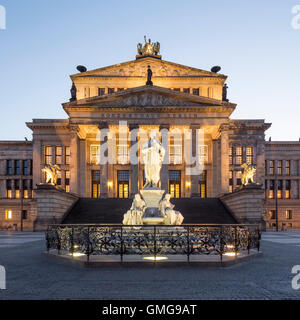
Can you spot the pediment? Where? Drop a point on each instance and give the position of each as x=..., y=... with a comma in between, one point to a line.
x=148, y=96
x=138, y=68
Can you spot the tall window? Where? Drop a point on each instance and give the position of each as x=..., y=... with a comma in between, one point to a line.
x=58, y=155
x=58, y=178
x=123, y=183
x=67, y=155
x=177, y=89
x=175, y=183
x=9, y=167
x=238, y=155
x=95, y=154
x=175, y=150
x=101, y=91
x=287, y=167
x=111, y=90
x=26, y=167
x=279, y=189
x=8, y=214
x=123, y=149
x=279, y=167
x=48, y=154
x=17, y=167
x=196, y=91
x=230, y=181
x=9, y=189
x=95, y=183
x=272, y=167
x=17, y=189
x=272, y=189
x=288, y=214
x=272, y=214
x=249, y=155
x=230, y=155
x=202, y=185
x=288, y=189
x=186, y=90
x=67, y=181
x=25, y=189
x=239, y=178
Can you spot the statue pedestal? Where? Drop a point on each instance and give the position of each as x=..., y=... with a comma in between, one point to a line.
x=152, y=198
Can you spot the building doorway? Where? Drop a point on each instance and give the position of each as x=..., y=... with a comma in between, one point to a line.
x=95, y=183
x=202, y=186
x=175, y=183
x=123, y=184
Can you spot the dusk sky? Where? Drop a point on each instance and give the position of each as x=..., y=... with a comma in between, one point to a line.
x=253, y=42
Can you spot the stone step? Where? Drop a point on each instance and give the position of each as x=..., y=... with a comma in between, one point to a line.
x=195, y=211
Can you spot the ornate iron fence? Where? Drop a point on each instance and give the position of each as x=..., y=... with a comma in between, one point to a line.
x=156, y=240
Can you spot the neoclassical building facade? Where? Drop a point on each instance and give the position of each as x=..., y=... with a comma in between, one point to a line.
x=110, y=115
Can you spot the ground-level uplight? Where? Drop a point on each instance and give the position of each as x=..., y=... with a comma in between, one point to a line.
x=77, y=254
x=155, y=258
x=231, y=254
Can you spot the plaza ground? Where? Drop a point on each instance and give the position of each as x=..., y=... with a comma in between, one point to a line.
x=31, y=275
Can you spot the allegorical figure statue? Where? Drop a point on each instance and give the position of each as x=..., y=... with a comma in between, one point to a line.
x=153, y=154
x=135, y=213
x=172, y=217
x=149, y=77
x=224, y=92
x=248, y=174
x=51, y=173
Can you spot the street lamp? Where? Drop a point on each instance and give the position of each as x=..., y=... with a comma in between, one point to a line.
x=276, y=198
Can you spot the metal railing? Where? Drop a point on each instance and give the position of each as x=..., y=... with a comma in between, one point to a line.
x=154, y=240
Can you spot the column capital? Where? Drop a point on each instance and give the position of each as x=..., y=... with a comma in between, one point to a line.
x=164, y=126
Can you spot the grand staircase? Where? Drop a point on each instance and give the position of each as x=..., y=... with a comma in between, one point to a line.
x=194, y=210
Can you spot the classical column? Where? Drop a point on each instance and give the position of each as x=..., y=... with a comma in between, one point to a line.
x=103, y=128
x=74, y=161
x=195, y=177
x=36, y=162
x=82, y=169
x=215, y=168
x=224, y=162
x=164, y=173
x=133, y=158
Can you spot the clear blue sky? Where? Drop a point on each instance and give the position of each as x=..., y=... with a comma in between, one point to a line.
x=253, y=41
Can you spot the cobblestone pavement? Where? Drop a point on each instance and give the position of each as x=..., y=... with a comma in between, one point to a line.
x=31, y=275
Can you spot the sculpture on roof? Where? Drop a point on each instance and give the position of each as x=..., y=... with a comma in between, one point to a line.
x=149, y=48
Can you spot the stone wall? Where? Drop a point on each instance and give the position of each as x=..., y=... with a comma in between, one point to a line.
x=246, y=204
x=51, y=204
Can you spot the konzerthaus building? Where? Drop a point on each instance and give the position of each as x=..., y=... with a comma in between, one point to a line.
x=109, y=103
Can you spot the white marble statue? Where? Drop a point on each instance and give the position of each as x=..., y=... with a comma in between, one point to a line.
x=135, y=213
x=172, y=217
x=248, y=174
x=153, y=154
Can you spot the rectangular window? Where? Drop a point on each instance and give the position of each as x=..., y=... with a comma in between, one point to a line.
x=95, y=183
x=239, y=178
x=177, y=89
x=238, y=155
x=175, y=150
x=95, y=154
x=120, y=89
x=58, y=178
x=279, y=167
x=287, y=167
x=8, y=214
x=175, y=183
x=101, y=91
x=9, y=167
x=230, y=181
x=24, y=214
x=17, y=167
x=111, y=90
x=67, y=155
x=202, y=187
x=288, y=214
x=123, y=184
x=249, y=155
x=9, y=189
x=272, y=189
x=48, y=154
x=272, y=167
x=58, y=155
x=186, y=90
x=25, y=188
x=230, y=155
x=26, y=167
x=17, y=189
x=272, y=214
x=288, y=189
x=196, y=91
x=67, y=180
x=279, y=189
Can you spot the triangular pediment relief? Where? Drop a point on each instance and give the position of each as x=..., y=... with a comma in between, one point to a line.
x=148, y=96
x=138, y=68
